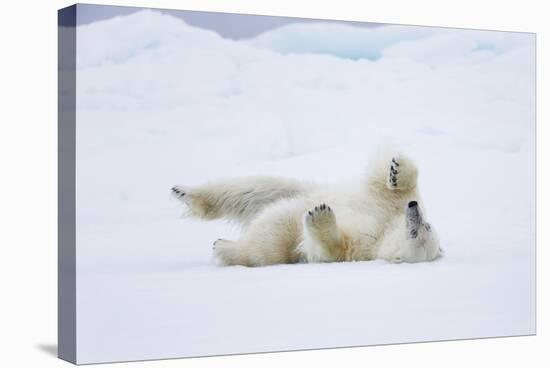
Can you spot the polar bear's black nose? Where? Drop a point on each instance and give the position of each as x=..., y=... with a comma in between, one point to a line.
x=413, y=204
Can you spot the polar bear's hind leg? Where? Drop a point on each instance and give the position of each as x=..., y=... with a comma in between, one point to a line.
x=270, y=239
x=322, y=239
x=239, y=200
x=228, y=253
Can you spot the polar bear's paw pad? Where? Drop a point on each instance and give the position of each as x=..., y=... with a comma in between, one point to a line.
x=393, y=179
x=320, y=215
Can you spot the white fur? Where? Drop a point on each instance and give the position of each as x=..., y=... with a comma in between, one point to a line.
x=287, y=221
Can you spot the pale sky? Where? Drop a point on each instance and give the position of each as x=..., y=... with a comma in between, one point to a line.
x=234, y=26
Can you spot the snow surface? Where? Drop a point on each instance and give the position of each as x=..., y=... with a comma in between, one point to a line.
x=162, y=103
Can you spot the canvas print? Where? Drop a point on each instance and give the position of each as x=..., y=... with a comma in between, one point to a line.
x=235, y=183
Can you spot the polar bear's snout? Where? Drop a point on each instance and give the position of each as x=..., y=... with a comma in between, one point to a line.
x=422, y=243
x=414, y=219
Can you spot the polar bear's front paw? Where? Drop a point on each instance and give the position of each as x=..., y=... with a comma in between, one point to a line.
x=393, y=178
x=402, y=174
x=320, y=216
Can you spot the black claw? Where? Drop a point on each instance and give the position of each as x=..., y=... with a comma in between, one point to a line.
x=394, y=161
x=310, y=213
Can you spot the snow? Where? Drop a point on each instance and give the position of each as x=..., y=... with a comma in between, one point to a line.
x=347, y=41
x=163, y=103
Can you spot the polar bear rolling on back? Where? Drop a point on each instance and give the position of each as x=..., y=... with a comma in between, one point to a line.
x=288, y=221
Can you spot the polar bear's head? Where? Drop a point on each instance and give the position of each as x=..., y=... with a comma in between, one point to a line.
x=421, y=243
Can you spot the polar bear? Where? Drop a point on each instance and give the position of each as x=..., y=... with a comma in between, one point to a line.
x=380, y=216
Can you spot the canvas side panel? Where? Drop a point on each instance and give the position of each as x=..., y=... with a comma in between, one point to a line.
x=66, y=325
